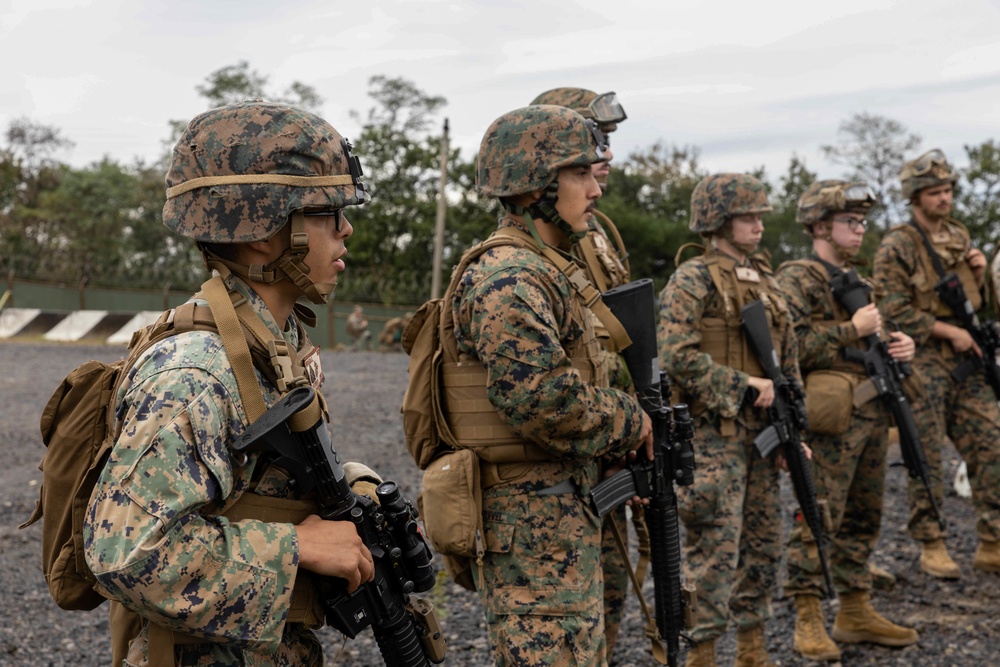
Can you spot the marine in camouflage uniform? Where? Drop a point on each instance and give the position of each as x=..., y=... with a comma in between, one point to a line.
x=605, y=258
x=964, y=409
x=518, y=315
x=732, y=512
x=201, y=583
x=848, y=458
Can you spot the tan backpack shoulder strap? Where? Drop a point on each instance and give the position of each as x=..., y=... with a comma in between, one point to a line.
x=237, y=350
x=610, y=227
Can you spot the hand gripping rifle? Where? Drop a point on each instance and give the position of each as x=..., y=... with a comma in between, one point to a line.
x=788, y=419
x=949, y=289
x=887, y=375
x=406, y=629
x=673, y=459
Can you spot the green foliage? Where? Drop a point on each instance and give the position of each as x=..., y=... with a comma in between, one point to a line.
x=103, y=223
x=396, y=229
x=978, y=198
x=648, y=197
x=874, y=149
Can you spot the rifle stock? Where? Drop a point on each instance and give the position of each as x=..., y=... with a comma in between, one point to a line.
x=887, y=375
x=673, y=460
x=787, y=414
x=406, y=630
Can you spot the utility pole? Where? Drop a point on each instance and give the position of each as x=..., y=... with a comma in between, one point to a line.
x=441, y=208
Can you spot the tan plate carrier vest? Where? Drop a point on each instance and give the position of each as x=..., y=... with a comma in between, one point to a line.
x=471, y=421
x=722, y=335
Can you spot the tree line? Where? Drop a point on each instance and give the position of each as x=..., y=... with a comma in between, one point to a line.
x=101, y=224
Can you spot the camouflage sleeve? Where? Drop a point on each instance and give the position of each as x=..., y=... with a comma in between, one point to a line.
x=895, y=263
x=682, y=304
x=515, y=322
x=790, y=353
x=819, y=346
x=144, y=537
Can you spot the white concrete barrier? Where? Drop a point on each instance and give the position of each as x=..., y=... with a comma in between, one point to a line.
x=139, y=320
x=76, y=325
x=13, y=320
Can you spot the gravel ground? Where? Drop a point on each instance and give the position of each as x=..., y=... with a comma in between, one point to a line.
x=958, y=621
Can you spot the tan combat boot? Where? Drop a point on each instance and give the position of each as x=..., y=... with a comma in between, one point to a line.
x=750, y=651
x=935, y=561
x=701, y=654
x=882, y=579
x=811, y=639
x=987, y=557
x=858, y=622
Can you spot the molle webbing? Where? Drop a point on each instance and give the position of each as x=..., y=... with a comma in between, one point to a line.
x=475, y=423
x=470, y=420
x=931, y=265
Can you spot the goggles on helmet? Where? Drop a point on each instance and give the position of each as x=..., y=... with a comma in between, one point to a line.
x=842, y=197
x=926, y=162
x=859, y=193
x=607, y=109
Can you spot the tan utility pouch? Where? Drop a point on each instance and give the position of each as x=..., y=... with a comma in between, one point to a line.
x=451, y=506
x=829, y=401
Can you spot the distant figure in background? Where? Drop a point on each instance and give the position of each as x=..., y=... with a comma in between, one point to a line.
x=357, y=329
x=392, y=332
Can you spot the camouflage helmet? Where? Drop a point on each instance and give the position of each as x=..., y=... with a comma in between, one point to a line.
x=927, y=171
x=824, y=198
x=239, y=171
x=523, y=150
x=603, y=109
x=717, y=198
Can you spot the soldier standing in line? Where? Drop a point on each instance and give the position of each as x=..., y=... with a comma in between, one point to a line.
x=607, y=266
x=732, y=512
x=848, y=454
x=357, y=329
x=909, y=262
x=392, y=332
x=262, y=188
x=518, y=314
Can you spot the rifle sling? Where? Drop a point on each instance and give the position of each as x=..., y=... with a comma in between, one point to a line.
x=656, y=642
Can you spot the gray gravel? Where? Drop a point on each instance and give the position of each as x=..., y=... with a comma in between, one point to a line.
x=959, y=621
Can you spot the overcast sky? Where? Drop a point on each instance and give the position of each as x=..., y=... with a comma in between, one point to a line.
x=749, y=83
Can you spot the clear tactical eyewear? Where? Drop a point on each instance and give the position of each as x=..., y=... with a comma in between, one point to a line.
x=607, y=109
x=926, y=162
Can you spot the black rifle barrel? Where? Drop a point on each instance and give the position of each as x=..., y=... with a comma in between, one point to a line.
x=788, y=419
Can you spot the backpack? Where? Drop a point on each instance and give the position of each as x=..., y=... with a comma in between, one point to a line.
x=77, y=428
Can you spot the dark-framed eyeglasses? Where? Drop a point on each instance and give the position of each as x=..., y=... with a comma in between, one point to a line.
x=336, y=213
x=854, y=223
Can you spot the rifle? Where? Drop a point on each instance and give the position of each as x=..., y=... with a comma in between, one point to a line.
x=406, y=629
x=949, y=289
x=673, y=460
x=788, y=419
x=887, y=375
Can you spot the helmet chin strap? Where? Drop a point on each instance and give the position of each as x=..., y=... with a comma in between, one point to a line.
x=545, y=209
x=290, y=266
